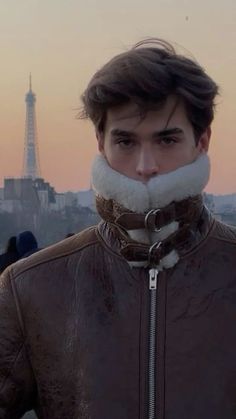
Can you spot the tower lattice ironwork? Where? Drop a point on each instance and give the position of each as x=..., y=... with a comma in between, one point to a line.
x=31, y=167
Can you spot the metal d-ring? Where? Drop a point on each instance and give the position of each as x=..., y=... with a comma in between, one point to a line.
x=151, y=212
x=156, y=246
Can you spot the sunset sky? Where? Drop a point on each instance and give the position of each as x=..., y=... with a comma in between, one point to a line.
x=63, y=42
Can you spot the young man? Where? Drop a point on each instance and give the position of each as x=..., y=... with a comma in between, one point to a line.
x=134, y=318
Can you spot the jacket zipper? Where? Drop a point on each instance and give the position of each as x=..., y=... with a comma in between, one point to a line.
x=153, y=279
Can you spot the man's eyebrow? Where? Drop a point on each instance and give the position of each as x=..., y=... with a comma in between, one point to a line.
x=116, y=132
x=168, y=131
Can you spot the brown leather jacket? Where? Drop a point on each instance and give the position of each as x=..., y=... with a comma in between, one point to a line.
x=75, y=332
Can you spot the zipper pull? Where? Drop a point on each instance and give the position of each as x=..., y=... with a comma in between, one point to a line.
x=153, y=274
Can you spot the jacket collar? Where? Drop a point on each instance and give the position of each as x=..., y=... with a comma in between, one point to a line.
x=160, y=227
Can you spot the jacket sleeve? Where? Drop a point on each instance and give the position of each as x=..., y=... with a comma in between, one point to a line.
x=17, y=384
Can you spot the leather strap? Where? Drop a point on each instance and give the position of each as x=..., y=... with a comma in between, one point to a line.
x=184, y=211
x=133, y=251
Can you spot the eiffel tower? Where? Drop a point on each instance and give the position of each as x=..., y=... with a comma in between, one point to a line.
x=31, y=168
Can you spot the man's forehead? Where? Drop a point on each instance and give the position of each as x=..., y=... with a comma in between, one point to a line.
x=131, y=114
x=123, y=112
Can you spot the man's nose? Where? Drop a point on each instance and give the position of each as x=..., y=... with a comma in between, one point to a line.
x=147, y=165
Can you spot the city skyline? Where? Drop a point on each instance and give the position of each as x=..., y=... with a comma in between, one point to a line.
x=64, y=43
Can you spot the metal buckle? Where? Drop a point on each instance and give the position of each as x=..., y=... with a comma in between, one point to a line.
x=151, y=212
x=155, y=246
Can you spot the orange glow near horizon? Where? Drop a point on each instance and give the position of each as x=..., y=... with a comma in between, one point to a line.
x=75, y=41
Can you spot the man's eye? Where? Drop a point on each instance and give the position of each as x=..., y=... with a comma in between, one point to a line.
x=167, y=141
x=125, y=143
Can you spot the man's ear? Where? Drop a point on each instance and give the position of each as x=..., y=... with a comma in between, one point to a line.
x=204, y=140
x=100, y=140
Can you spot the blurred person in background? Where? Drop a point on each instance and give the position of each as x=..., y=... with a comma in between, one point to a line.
x=10, y=255
x=26, y=244
x=133, y=318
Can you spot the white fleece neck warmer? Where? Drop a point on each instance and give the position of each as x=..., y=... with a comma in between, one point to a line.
x=184, y=182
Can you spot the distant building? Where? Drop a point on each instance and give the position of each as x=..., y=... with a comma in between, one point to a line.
x=37, y=196
x=27, y=194
x=86, y=198
x=46, y=194
x=1, y=198
x=20, y=194
x=71, y=199
x=225, y=203
x=60, y=202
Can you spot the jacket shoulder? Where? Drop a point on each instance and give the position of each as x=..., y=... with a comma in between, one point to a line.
x=224, y=232
x=59, y=250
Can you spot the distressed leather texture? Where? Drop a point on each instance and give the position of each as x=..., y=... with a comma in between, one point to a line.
x=74, y=331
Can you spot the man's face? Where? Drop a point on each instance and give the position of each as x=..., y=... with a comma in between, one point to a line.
x=141, y=148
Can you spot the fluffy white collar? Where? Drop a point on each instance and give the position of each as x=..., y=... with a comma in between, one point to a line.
x=159, y=191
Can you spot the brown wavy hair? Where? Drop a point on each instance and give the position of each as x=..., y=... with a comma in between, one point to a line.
x=146, y=75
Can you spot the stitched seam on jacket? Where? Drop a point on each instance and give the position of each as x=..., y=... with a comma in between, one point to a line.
x=14, y=362
x=113, y=253
x=221, y=239
x=18, y=310
x=195, y=249
x=109, y=249
x=201, y=243
x=21, y=322
x=21, y=346
x=52, y=258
